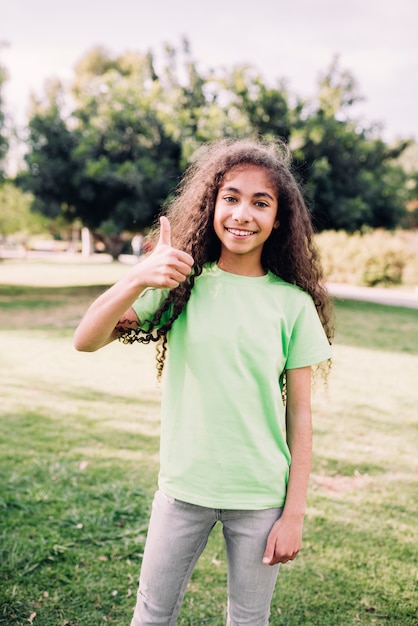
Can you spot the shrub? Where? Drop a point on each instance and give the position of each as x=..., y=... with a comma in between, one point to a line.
x=370, y=258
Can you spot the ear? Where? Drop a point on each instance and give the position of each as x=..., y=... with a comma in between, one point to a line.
x=276, y=224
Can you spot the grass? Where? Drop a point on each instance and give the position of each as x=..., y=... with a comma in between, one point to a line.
x=79, y=459
x=61, y=271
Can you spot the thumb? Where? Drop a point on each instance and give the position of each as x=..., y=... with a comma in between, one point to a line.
x=165, y=232
x=269, y=552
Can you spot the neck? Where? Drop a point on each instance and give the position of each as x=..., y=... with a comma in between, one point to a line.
x=241, y=265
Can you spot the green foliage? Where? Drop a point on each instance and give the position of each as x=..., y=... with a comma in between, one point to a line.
x=50, y=164
x=15, y=213
x=131, y=129
x=111, y=159
x=127, y=162
x=369, y=258
x=351, y=177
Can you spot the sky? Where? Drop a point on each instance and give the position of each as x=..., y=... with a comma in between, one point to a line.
x=290, y=40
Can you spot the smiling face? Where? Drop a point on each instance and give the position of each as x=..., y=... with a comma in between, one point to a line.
x=245, y=215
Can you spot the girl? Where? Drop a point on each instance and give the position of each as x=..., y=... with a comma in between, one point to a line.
x=233, y=293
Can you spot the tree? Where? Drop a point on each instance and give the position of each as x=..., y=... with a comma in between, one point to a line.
x=15, y=214
x=350, y=176
x=349, y=173
x=189, y=103
x=196, y=107
x=128, y=163
x=50, y=166
x=264, y=109
x=113, y=152
x=110, y=161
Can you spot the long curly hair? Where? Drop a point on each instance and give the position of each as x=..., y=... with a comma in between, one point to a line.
x=289, y=252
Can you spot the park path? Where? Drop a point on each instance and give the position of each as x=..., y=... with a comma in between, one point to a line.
x=394, y=297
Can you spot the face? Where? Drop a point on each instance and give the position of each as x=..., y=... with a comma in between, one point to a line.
x=245, y=214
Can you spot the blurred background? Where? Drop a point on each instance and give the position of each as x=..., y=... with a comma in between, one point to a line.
x=102, y=108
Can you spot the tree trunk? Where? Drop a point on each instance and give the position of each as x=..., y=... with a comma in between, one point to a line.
x=86, y=242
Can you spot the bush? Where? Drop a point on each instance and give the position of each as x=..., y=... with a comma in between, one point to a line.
x=370, y=258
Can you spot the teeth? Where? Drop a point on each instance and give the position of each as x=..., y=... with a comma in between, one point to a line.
x=240, y=233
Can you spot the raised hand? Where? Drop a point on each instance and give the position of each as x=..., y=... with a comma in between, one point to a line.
x=166, y=267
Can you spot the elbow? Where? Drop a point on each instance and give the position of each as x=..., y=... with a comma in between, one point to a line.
x=81, y=344
x=84, y=343
x=81, y=347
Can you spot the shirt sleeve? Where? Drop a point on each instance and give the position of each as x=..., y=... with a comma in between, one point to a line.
x=146, y=305
x=308, y=342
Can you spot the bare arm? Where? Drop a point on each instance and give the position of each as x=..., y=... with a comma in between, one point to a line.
x=285, y=539
x=165, y=268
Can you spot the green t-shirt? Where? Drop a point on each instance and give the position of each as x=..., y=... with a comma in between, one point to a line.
x=223, y=433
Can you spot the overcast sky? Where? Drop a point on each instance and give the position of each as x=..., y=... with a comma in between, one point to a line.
x=294, y=40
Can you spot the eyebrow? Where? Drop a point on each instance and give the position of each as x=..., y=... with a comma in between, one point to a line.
x=258, y=194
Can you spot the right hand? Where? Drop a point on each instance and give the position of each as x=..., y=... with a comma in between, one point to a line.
x=166, y=267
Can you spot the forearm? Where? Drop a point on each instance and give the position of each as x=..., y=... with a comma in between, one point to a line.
x=285, y=538
x=97, y=328
x=300, y=444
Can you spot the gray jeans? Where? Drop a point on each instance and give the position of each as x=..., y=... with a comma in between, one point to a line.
x=177, y=535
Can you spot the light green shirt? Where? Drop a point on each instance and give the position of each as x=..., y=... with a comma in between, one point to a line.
x=223, y=435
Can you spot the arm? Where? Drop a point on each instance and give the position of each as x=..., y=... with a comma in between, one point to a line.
x=285, y=538
x=165, y=268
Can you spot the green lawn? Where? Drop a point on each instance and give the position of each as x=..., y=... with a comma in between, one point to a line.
x=79, y=458
x=61, y=271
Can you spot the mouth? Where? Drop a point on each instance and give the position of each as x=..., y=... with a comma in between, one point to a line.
x=237, y=232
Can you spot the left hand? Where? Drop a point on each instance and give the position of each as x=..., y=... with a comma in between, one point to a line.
x=284, y=540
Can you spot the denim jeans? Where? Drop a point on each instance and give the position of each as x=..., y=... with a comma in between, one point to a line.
x=177, y=535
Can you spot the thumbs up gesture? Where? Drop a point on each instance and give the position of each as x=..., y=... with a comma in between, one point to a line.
x=166, y=267
x=165, y=232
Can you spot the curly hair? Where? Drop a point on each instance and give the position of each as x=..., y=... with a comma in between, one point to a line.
x=289, y=252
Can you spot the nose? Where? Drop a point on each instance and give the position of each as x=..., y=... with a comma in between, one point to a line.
x=241, y=212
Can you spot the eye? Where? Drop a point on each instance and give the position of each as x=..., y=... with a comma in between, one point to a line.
x=261, y=204
x=229, y=199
